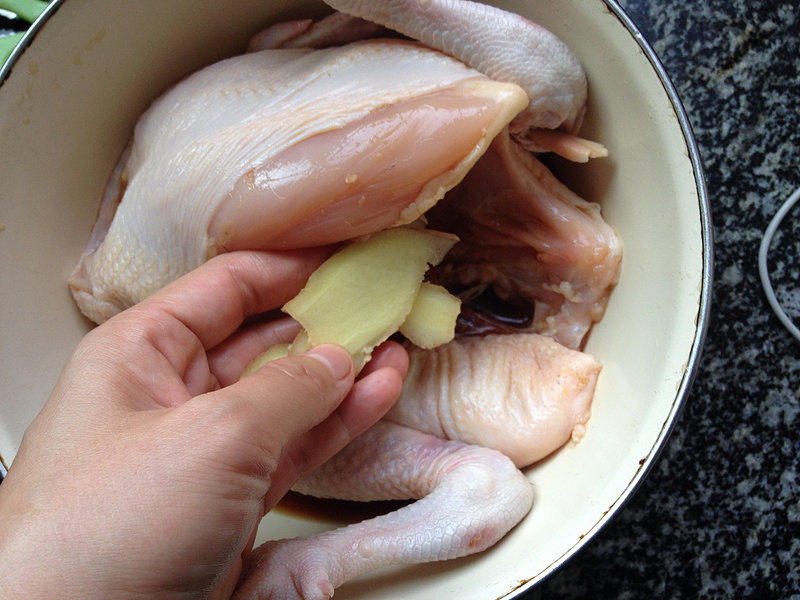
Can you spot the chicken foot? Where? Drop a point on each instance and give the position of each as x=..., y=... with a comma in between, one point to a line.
x=469, y=497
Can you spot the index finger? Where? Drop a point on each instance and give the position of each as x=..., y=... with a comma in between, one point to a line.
x=214, y=299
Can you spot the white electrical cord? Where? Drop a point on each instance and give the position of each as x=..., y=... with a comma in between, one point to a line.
x=763, y=251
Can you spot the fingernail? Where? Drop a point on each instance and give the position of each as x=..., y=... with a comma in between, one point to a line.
x=335, y=357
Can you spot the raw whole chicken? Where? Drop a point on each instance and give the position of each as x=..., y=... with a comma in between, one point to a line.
x=319, y=135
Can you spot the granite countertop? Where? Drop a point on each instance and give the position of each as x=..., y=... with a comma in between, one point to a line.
x=718, y=515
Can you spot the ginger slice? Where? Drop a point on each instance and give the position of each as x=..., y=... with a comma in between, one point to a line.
x=362, y=294
x=432, y=320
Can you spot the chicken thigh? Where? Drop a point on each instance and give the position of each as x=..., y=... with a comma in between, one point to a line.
x=522, y=394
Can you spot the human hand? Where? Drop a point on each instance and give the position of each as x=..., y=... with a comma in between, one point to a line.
x=150, y=466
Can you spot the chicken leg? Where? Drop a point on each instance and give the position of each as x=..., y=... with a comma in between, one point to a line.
x=469, y=498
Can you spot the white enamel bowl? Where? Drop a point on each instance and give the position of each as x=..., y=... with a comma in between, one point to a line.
x=68, y=103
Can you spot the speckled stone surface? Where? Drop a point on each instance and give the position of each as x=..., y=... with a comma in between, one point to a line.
x=718, y=516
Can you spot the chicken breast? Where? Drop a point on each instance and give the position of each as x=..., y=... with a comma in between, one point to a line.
x=286, y=149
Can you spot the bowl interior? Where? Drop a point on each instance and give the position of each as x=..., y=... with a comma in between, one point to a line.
x=67, y=110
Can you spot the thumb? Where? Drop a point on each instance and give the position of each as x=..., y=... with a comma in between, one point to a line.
x=264, y=413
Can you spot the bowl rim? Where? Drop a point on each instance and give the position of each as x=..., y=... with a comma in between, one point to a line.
x=27, y=37
x=704, y=307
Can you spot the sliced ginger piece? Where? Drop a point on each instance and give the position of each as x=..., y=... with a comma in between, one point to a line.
x=432, y=320
x=363, y=293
